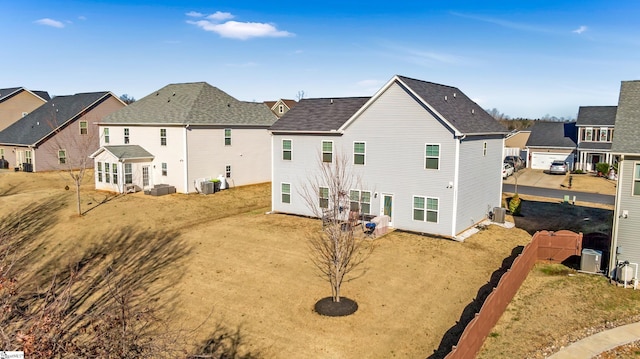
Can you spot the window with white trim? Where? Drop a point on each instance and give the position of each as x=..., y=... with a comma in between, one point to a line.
x=603, y=134
x=227, y=171
x=588, y=134
x=227, y=137
x=105, y=134
x=84, y=127
x=107, y=175
x=126, y=136
x=163, y=137
x=432, y=157
x=327, y=151
x=323, y=197
x=62, y=156
x=114, y=173
x=128, y=173
x=27, y=156
x=164, y=168
x=287, y=150
x=425, y=209
x=358, y=153
x=286, y=192
x=281, y=108
x=484, y=149
x=636, y=179
x=99, y=171
x=360, y=201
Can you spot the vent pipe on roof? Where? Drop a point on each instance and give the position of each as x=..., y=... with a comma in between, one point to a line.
x=454, y=95
x=445, y=97
x=473, y=111
x=332, y=101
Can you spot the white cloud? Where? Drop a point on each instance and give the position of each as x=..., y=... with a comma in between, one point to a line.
x=580, y=30
x=50, y=22
x=503, y=23
x=82, y=18
x=220, y=16
x=241, y=30
x=194, y=14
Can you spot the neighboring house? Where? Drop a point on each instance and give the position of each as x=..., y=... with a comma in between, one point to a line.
x=625, y=244
x=428, y=156
x=181, y=135
x=280, y=107
x=59, y=134
x=515, y=144
x=17, y=102
x=595, y=134
x=551, y=141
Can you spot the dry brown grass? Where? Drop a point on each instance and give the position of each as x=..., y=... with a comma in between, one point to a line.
x=251, y=271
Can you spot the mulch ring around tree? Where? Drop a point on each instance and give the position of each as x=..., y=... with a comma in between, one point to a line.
x=326, y=306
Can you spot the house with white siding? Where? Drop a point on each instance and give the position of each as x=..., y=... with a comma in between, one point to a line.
x=595, y=126
x=625, y=243
x=181, y=135
x=428, y=156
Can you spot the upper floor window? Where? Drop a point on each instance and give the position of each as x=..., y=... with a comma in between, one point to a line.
x=636, y=180
x=327, y=151
x=358, y=153
x=588, y=134
x=227, y=137
x=432, y=157
x=105, y=133
x=126, y=136
x=84, y=127
x=604, y=134
x=286, y=150
x=163, y=137
x=62, y=156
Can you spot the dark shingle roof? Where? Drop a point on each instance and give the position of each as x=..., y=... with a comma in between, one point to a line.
x=319, y=114
x=42, y=121
x=596, y=116
x=10, y=92
x=594, y=145
x=627, y=130
x=553, y=134
x=456, y=108
x=192, y=103
x=125, y=152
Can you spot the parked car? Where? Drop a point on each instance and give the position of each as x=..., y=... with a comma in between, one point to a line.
x=507, y=170
x=515, y=162
x=558, y=167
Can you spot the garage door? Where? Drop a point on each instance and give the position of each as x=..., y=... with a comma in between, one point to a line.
x=542, y=160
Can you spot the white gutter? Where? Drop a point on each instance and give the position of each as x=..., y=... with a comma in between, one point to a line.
x=456, y=172
x=273, y=192
x=185, y=159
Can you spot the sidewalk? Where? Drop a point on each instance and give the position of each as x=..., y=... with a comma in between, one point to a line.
x=600, y=342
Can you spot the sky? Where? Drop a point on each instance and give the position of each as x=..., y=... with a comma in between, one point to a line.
x=527, y=59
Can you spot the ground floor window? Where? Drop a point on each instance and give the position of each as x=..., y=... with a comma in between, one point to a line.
x=107, y=175
x=128, y=175
x=360, y=201
x=115, y=173
x=425, y=209
x=164, y=168
x=324, y=197
x=99, y=164
x=286, y=193
x=227, y=171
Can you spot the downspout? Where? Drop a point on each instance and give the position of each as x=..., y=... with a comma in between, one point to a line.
x=456, y=172
x=613, y=251
x=273, y=192
x=185, y=161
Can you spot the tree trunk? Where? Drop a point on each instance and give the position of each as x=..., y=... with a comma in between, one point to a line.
x=78, y=197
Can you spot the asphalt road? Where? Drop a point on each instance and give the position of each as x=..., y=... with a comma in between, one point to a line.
x=560, y=193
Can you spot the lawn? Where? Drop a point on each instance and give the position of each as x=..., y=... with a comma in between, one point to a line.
x=249, y=270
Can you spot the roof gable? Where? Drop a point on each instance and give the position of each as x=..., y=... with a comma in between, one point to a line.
x=627, y=130
x=192, y=103
x=553, y=134
x=596, y=116
x=7, y=93
x=319, y=114
x=47, y=118
x=125, y=152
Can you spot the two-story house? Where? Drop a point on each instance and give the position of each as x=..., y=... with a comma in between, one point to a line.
x=58, y=135
x=595, y=125
x=181, y=135
x=428, y=157
x=625, y=243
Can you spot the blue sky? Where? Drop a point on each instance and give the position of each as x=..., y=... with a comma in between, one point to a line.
x=527, y=59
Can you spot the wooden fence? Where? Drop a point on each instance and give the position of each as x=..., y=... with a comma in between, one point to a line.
x=548, y=246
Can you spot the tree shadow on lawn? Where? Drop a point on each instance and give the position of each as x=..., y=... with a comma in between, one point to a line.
x=538, y=216
x=452, y=336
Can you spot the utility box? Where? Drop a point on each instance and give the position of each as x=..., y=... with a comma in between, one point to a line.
x=499, y=214
x=590, y=260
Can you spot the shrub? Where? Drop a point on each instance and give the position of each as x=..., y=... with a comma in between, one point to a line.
x=578, y=172
x=602, y=167
x=515, y=205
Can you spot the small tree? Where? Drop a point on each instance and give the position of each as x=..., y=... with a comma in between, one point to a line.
x=336, y=251
x=127, y=99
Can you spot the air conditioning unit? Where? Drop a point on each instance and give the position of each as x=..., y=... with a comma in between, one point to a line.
x=499, y=214
x=590, y=260
x=207, y=187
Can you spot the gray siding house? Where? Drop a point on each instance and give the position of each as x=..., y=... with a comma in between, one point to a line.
x=625, y=243
x=427, y=155
x=595, y=134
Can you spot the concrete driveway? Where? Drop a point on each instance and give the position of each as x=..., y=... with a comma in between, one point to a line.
x=536, y=178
